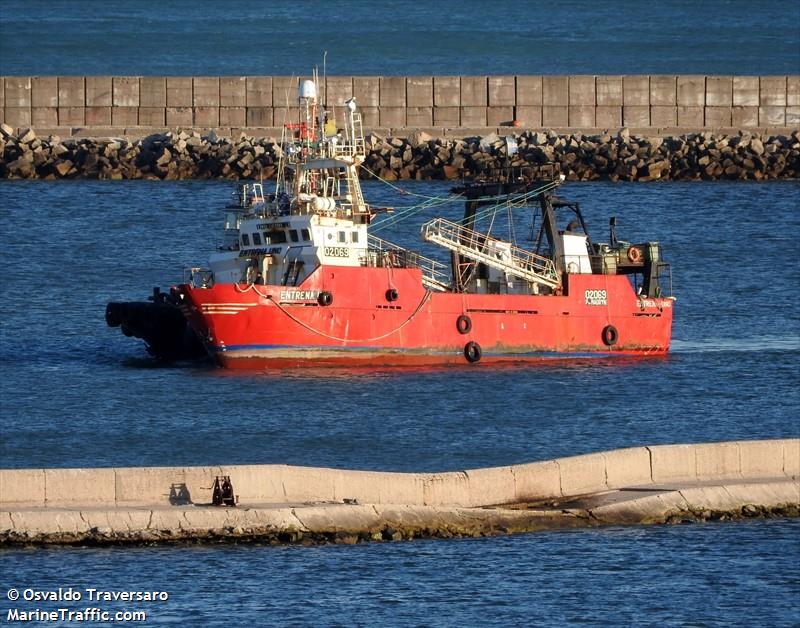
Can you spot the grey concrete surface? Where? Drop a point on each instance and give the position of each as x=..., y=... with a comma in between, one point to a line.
x=278, y=503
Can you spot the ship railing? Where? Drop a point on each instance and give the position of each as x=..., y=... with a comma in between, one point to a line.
x=608, y=265
x=495, y=253
x=384, y=254
x=249, y=195
x=198, y=277
x=353, y=144
x=665, y=277
x=662, y=288
x=347, y=149
x=664, y=280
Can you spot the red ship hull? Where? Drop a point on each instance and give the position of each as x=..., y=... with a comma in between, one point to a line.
x=256, y=326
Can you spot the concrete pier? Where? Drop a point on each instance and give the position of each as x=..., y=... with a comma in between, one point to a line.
x=137, y=106
x=630, y=128
x=282, y=504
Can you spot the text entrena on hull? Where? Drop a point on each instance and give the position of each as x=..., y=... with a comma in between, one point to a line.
x=596, y=315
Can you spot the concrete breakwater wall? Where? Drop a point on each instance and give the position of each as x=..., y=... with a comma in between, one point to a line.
x=621, y=156
x=638, y=485
x=695, y=102
x=280, y=484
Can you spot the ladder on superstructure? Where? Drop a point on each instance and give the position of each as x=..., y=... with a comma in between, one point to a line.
x=354, y=134
x=353, y=145
x=354, y=187
x=473, y=245
x=355, y=138
x=353, y=150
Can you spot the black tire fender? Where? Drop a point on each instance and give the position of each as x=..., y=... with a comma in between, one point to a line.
x=610, y=335
x=472, y=352
x=464, y=324
x=325, y=298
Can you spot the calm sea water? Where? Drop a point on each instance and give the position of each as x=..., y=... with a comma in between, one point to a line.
x=77, y=393
x=285, y=37
x=739, y=574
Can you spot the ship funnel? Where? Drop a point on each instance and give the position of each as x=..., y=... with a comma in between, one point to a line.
x=308, y=90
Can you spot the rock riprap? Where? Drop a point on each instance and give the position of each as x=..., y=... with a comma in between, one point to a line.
x=615, y=157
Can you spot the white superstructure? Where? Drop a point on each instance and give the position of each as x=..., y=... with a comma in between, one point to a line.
x=317, y=214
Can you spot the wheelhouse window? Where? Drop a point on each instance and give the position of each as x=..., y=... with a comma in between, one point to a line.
x=275, y=237
x=257, y=239
x=306, y=235
x=354, y=236
x=342, y=236
x=293, y=235
x=245, y=239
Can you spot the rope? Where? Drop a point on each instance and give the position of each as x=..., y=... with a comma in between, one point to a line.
x=324, y=335
x=395, y=187
x=251, y=286
x=512, y=234
x=491, y=224
x=434, y=201
x=519, y=201
x=443, y=200
x=410, y=211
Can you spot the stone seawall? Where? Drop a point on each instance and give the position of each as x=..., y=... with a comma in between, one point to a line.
x=657, y=484
x=621, y=156
x=398, y=102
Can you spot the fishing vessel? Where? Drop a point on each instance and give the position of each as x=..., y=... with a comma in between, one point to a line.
x=299, y=278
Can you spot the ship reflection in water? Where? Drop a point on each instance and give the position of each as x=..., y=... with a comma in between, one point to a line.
x=550, y=364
